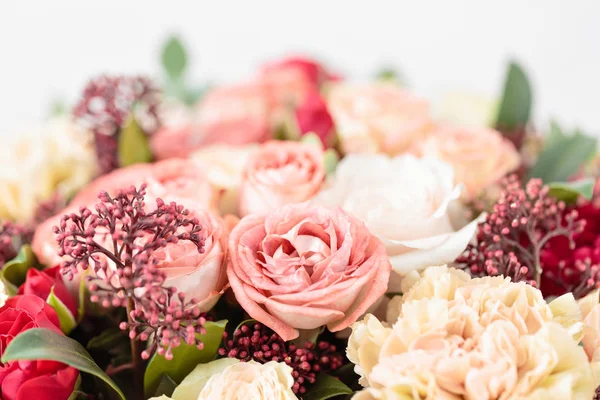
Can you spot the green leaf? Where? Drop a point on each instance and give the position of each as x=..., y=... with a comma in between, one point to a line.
x=174, y=58
x=44, y=344
x=389, y=74
x=108, y=339
x=133, y=144
x=563, y=155
x=166, y=386
x=569, y=192
x=326, y=387
x=312, y=139
x=515, y=107
x=185, y=357
x=14, y=272
x=67, y=320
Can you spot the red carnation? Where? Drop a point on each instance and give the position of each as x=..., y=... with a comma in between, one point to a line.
x=575, y=269
x=40, y=379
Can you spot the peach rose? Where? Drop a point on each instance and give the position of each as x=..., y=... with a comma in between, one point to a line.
x=378, y=117
x=280, y=173
x=169, y=179
x=201, y=276
x=480, y=156
x=233, y=115
x=224, y=166
x=303, y=266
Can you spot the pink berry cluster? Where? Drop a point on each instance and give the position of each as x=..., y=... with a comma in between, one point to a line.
x=118, y=240
x=259, y=343
x=12, y=236
x=106, y=104
x=521, y=223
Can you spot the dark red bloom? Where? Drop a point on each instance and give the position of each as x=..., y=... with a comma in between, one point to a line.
x=574, y=269
x=40, y=283
x=312, y=115
x=261, y=344
x=12, y=236
x=41, y=379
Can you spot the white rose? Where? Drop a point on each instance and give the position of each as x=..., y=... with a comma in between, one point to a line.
x=406, y=202
x=55, y=157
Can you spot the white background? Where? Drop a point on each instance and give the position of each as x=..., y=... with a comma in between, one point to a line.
x=49, y=48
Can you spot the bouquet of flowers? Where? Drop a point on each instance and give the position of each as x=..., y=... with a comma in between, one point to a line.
x=298, y=236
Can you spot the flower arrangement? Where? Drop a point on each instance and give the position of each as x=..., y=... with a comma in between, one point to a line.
x=298, y=236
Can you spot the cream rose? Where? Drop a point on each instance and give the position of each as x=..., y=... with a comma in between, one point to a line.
x=364, y=345
x=480, y=156
x=303, y=266
x=406, y=202
x=279, y=173
x=56, y=157
x=377, y=117
x=224, y=166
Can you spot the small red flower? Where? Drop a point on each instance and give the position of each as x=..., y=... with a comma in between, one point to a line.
x=40, y=283
x=40, y=379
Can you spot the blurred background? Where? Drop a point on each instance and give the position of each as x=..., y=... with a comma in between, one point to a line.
x=49, y=49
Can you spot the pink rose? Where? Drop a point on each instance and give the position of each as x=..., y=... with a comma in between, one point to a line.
x=234, y=115
x=378, y=117
x=169, y=179
x=480, y=157
x=303, y=266
x=199, y=275
x=280, y=172
x=313, y=116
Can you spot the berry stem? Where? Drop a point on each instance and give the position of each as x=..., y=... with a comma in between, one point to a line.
x=136, y=358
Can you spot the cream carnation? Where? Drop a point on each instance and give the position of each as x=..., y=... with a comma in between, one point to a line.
x=480, y=156
x=483, y=338
x=55, y=158
x=406, y=202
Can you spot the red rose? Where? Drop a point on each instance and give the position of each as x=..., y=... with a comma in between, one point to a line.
x=312, y=116
x=312, y=70
x=28, y=380
x=40, y=283
x=564, y=268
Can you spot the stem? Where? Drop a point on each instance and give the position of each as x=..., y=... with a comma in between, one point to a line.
x=136, y=359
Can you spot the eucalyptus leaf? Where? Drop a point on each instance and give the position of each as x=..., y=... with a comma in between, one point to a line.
x=44, y=344
x=185, y=357
x=569, y=192
x=134, y=146
x=326, y=387
x=563, y=155
x=66, y=319
x=14, y=272
x=516, y=104
x=174, y=58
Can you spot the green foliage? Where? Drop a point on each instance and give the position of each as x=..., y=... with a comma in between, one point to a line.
x=174, y=58
x=325, y=388
x=185, y=358
x=569, y=192
x=563, y=155
x=44, y=344
x=67, y=320
x=14, y=272
x=516, y=104
x=134, y=146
